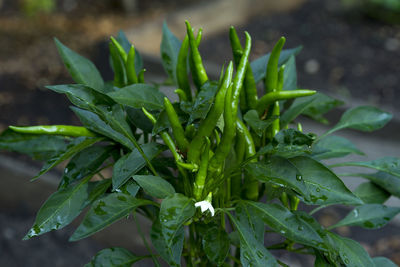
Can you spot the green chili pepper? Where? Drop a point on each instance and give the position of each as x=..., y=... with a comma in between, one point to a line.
x=65, y=130
x=271, y=77
x=176, y=126
x=190, y=131
x=181, y=94
x=118, y=66
x=251, y=184
x=202, y=173
x=209, y=123
x=181, y=68
x=130, y=66
x=240, y=146
x=141, y=76
x=269, y=98
x=199, y=69
x=249, y=84
x=275, y=126
x=120, y=49
x=188, y=166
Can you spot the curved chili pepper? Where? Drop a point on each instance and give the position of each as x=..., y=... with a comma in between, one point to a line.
x=181, y=94
x=120, y=49
x=271, y=76
x=269, y=98
x=208, y=124
x=176, y=126
x=118, y=66
x=141, y=76
x=202, y=173
x=199, y=69
x=65, y=130
x=181, y=68
x=249, y=84
x=190, y=131
x=130, y=66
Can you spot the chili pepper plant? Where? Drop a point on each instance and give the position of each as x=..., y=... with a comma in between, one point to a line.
x=215, y=173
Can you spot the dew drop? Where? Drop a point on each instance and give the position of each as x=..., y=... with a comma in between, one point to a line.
x=355, y=211
x=299, y=177
x=300, y=228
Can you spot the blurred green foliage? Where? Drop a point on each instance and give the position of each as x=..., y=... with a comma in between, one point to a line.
x=384, y=10
x=33, y=7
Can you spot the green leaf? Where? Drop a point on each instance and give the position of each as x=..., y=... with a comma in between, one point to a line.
x=283, y=221
x=203, y=102
x=289, y=74
x=252, y=252
x=114, y=256
x=124, y=42
x=320, y=261
x=333, y=146
x=162, y=123
x=250, y=219
x=322, y=104
x=77, y=145
x=84, y=163
x=106, y=211
x=65, y=205
x=139, y=95
x=132, y=162
x=317, y=184
x=41, y=147
x=155, y=186
x=94, y=123
x=351, y=252
x=171, y=254
x=389, y=182
x=298, y=107
x=391, y=165
x=174, y=212
x=259, y=126
x=383, y=262
x=363, y=118
x=370, y=193
x=137, y=118
x=169, y=50
x=370, y=216
x=216, y=244
x=260, y=64
x=81, y=69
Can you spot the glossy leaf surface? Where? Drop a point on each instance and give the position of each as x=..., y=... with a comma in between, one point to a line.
x=383, y=262
x=333, y=147
x=389, y=182
x=215, y=242
x=371, y=193
x=321, y=105
x=114, y=256
x=257, y=125
x=106, y=211
x=390, y=165
x=170, y=46
x=155, y=186
x=370, y=216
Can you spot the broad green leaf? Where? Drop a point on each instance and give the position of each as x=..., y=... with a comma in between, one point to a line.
x=370, y=216
x=288, y=143
x=81, y=69
x=94, y=123
x=333, y=146
x=252, y=252
x=351, y=252
x=77, y=145
x=155, y=186
x=84, y=163
x=123, y=40
x=130, y=188
x=132, y=162
x=388, y=182
x=259, y=126
x=290, y=75
x=250, y=219
x=315, y=183
x=391, y=165
x=283, y=221
x=137, y=118
x=216, y=244
x=65, y=205
x=203, y=102
x=174, y=212
x=260, y=64
x=383, y=262
x=139, y=95
x=40, y=147
x=169, y=50
x=171, y=254
x=321, y=105
x=106, y=211
x=114, y=256
x=363, y=118
x=298, y=107
x=371, y=193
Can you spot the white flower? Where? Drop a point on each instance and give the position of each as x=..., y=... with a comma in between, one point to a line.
x=204, y=206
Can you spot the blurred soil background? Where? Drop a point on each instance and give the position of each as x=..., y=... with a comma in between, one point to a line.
x=345, y=54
